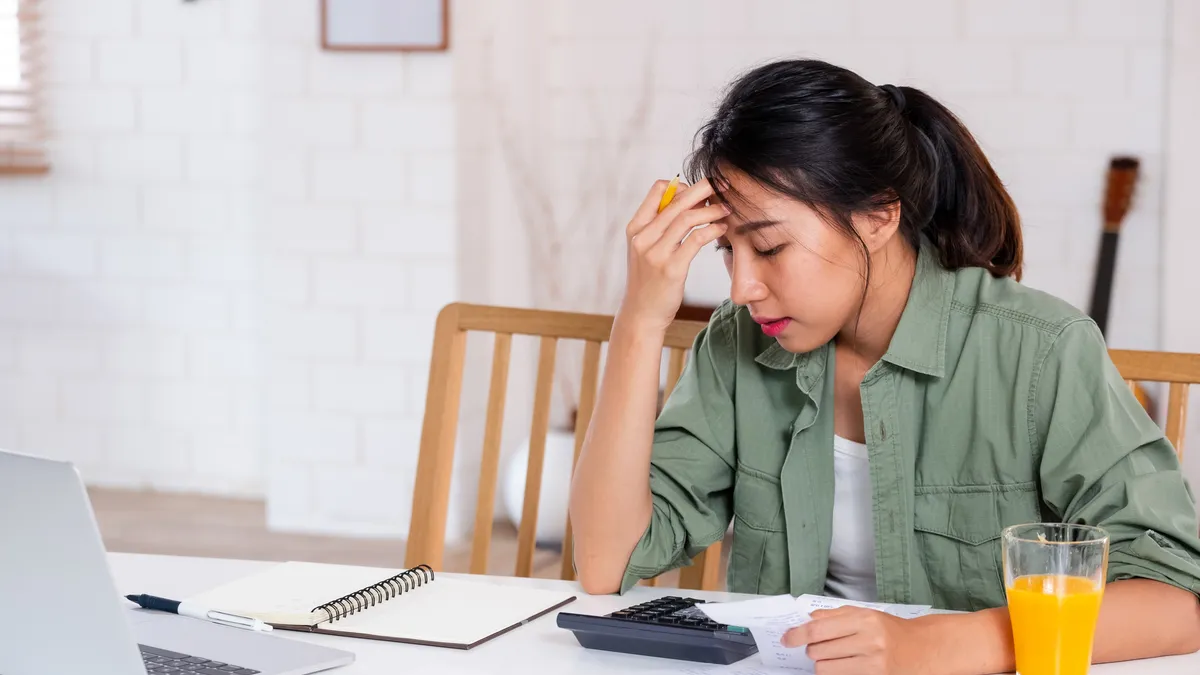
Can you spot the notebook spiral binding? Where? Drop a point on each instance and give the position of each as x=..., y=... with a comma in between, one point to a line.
x=376, y=593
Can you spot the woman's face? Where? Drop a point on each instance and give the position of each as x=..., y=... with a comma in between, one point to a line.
x=801, y=278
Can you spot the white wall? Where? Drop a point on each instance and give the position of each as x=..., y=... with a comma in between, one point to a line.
x=1181, y=237
x=128, y=286
x=228, y=281
x=358, y=251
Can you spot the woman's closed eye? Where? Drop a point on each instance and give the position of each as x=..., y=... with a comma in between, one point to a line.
x=727, y=249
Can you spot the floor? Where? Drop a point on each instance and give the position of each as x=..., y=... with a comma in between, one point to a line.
x=221, y=527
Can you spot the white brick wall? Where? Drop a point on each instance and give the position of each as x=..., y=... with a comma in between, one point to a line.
x=86, y=108
x=1012, y=19
x=86, y=208
x=139, y=62
x=164, y=20
x=88, y=18
x=142, y=257
x=54, y=254
x=222, y=63
x=183, y=110
x=125, y=268
x=186, y=208
x=140, y=160
x=351, y=176
x=409, y=230
x=341, y=193
x=1181, y=325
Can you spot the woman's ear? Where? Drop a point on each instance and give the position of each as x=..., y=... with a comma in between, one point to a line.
x=879, y=226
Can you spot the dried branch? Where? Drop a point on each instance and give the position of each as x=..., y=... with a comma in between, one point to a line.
x=586, y=239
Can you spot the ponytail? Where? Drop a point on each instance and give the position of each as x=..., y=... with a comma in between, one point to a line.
x=826, y=137
x=974, y=222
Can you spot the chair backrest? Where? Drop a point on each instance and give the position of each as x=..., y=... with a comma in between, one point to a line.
x=427, y=531
x=1178, y=370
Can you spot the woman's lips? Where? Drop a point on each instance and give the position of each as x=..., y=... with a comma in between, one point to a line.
x=773, y=327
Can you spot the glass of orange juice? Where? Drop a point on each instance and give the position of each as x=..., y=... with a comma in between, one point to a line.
x=1054, y=576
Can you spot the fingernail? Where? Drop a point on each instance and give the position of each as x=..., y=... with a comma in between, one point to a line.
x=726, y=209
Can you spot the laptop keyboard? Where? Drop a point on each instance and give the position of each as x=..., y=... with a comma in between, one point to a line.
x=163, y=662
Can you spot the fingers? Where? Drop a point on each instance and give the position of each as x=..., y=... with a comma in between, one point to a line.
x=847, y=666
x=825, y=625
x=684, y=200
x=684, y=224
x=841, y=648
x=700, y=238
x=648, y=209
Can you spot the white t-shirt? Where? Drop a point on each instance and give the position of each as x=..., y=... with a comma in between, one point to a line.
x=852, y=549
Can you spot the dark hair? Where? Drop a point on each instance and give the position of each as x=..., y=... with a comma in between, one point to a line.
x=827, y=137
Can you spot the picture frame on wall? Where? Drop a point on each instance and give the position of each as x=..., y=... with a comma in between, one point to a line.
x=385, y=25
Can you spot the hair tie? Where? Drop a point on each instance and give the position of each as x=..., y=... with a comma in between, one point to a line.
x=893, y=92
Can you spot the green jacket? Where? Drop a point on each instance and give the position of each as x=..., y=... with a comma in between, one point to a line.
x=995, y=404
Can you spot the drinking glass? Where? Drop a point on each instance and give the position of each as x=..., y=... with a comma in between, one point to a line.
x=1054, y=575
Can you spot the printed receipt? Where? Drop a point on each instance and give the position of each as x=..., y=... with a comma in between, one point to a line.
x=769, y=618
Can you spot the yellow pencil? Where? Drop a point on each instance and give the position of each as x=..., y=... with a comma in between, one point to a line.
x=669, y=194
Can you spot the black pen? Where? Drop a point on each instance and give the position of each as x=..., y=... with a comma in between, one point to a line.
x=197, y=612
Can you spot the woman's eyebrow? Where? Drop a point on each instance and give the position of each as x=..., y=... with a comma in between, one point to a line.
x=751, y=226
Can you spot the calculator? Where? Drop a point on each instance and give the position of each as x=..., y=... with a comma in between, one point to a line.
x=669, y=627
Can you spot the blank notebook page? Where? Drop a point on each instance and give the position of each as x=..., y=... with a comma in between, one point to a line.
x=287, y=592
x=451, y=611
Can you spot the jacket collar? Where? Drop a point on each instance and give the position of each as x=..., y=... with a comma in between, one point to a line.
x=919, y=343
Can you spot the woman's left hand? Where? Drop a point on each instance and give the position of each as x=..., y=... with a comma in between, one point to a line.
x=857, y=641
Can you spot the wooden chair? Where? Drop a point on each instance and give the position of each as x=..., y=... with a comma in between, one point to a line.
x=426, y=543
x=1177, y=369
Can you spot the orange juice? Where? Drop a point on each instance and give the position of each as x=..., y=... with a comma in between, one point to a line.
x=1053, y=621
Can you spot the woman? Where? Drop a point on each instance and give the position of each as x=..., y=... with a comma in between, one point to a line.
x=878, y=398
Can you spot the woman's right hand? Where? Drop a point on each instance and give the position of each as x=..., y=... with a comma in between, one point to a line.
x=659, y=256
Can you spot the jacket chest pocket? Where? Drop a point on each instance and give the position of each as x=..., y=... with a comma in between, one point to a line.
x=758, y=559
x=958, y=540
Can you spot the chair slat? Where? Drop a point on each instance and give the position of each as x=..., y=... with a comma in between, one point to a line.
x=705, y=571
x=1177, y=404
x=537, y=454
x=490, y=461
x=583, y=417
x=674, y=370
x=431, y=493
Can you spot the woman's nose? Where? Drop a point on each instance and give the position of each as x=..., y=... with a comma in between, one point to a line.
x=744, y=286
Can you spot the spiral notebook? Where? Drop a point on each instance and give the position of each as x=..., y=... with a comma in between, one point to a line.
x=414, y=606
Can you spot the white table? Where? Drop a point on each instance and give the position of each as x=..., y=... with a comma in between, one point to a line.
x=540, y=646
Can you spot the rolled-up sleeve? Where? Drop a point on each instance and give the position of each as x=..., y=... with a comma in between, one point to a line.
x=1105, y=463
x=692, y=463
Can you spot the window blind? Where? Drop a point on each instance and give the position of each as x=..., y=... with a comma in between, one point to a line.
x=22, y=127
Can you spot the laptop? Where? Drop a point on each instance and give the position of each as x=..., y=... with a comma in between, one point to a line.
x=61, y=612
